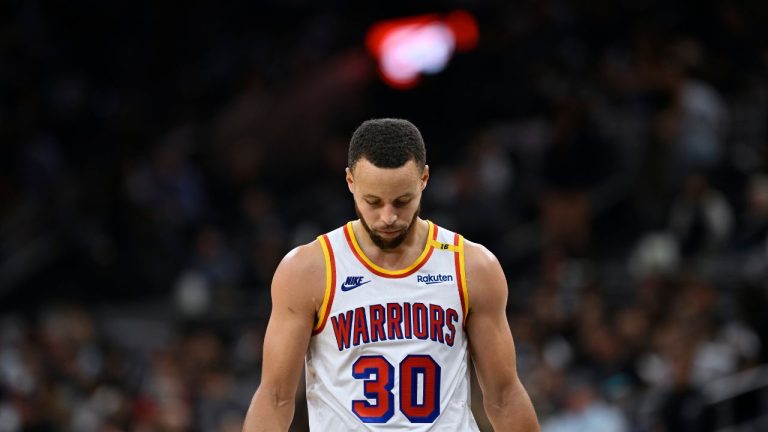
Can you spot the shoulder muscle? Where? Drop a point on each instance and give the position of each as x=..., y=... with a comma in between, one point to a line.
x=299, y=281
x=486, y=283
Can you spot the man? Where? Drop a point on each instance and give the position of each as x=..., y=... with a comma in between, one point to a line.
x=386, y=311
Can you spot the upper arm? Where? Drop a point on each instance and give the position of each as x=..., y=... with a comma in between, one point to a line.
x=487, y=325
x=298, y=287
x=490, y=340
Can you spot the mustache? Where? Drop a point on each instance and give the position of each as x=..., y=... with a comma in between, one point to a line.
x=378, y=240
x=388, y=228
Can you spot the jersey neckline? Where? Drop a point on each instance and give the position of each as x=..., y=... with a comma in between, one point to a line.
x=349, y=233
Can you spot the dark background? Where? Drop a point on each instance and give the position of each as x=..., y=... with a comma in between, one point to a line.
x=159, y=159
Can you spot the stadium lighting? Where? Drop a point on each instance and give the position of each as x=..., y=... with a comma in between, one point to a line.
x=406, y=48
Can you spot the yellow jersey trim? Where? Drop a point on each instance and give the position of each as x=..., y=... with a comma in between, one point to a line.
x=443, y=246
x=462, y=270
x=329, y=276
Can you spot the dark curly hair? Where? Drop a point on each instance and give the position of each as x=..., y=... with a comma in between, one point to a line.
x=387, y=143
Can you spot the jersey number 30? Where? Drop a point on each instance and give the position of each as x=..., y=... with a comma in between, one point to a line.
x=379, y=376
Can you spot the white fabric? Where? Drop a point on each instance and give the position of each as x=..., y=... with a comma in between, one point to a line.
x=331, y=386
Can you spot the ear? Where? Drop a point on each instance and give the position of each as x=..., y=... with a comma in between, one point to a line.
x=425, y=177
x=350, y=180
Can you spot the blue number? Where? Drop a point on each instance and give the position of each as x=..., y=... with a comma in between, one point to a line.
x=378, y=375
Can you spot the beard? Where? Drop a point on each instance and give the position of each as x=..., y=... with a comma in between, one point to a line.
x=381, y=242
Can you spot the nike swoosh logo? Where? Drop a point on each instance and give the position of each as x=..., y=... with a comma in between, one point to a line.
x=345, y=287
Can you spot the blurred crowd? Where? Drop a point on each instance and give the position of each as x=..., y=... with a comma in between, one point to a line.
x=158, y=161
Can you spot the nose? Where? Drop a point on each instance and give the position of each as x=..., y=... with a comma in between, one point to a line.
x=389, y=215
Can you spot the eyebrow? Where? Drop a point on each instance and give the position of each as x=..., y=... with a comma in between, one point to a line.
x=406, y=195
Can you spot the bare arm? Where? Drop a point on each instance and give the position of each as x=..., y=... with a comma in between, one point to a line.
x=297, y=291
x=493, y=351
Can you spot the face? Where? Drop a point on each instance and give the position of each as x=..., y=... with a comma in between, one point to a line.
x=387, y=200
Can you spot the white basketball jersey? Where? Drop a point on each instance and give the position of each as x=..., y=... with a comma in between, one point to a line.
x=389, y=351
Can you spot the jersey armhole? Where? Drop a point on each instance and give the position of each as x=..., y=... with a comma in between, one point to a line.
x=330, y=283
x=458, y=241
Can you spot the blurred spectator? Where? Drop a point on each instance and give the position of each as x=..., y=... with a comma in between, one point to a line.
x=574, y=163
x=585, y=411
x=695, y=121
x=753, y=228
x=701, y=218
x=682, y=405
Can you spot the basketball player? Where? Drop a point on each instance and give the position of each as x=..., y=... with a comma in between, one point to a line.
x=386, y=312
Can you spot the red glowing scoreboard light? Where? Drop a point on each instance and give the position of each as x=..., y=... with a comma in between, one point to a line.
x=405, y=48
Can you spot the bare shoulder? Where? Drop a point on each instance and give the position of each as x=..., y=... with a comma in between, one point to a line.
x=477, y=258
x=300, y=276
x=304, y=260
x=486, y=282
